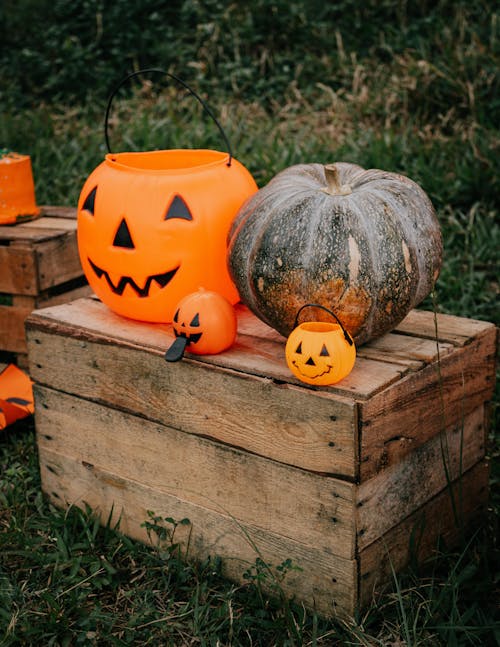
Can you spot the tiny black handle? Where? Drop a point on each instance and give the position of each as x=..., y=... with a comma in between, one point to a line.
x=347, y=336
x=176, y=350
x=181, y=82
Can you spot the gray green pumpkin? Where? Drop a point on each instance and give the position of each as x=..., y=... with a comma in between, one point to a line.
x=364, y=243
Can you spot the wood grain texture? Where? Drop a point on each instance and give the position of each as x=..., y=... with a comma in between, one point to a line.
x=314, y=510
x=398, y=420
x=283, y=422
x=262, y=357
x=396, y=492
x=260, y=463
x=418, y=537
x=18, y=271
x=40, y=253
x=13, y=316
x=325, y=582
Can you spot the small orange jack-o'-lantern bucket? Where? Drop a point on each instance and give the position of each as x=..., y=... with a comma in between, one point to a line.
x=204, y=324
x=153, y=226
x=319, y=352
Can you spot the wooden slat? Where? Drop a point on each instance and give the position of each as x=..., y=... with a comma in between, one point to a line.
x=450, y=329
x=12, y=337
x=13, y=316
x=55, y=211
x=282, y=422
x=18, y=273
x=316, y=511
x=52, y=222
x=261, y=357
x=40, y=253
x=386, y=499
x=58, y=260
x=325, y=581
x=398, y=420
x=416, y=538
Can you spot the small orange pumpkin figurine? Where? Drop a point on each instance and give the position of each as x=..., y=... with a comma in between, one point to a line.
x=320, y=353
x=205, y=323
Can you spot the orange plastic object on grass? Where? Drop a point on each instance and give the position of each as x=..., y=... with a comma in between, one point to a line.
x=153, y=226
x=16, y=395
x=17, y=189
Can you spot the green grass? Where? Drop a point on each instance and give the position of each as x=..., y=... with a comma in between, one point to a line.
x=388, y=85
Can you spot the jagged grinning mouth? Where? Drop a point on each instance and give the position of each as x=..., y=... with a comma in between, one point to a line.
x=161, y=279
x=313, y=377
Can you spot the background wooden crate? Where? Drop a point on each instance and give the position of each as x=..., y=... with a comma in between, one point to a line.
x=39, y=267
x=342, y=480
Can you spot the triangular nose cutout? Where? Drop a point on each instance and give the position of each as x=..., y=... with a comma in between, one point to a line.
x=123, y=237
x=178, y=209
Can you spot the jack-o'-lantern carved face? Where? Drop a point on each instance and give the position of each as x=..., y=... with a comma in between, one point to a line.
x=152, y=227
x=204, y=324
x=318, y=353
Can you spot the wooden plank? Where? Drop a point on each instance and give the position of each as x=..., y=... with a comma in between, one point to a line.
x=417, y=537
x=13, y=316
x=58, y=260
x=314, y=510
x=48, y=300
x=56, y=224
x=262, y=357
x=450, y=329
x=55, y=211
x=18, y=271
x=325, y=581
x=398, y=420
x=282, y=422
x=394, y=347
x=387, y=498
x=12, y=337
x=23, y=235
x=40, y=253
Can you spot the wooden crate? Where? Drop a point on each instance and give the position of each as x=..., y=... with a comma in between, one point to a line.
x=39, y=267
x=341, y=480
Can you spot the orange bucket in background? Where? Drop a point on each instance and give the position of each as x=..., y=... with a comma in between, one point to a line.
x=17, y=189
x=153, y=226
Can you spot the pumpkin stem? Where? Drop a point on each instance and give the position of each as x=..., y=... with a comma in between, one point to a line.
x=333, y=182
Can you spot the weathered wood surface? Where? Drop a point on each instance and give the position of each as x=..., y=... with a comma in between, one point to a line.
x=314, y=509
x=327, y=581
x=398, y=420
x=387, y=498
x=13, y=316
x=338, y=479
x=285, y=423
x=250, y=388
x=38, y=254
x=444, y=518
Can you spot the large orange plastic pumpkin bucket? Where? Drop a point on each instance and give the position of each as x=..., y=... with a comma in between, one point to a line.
x=153, y=226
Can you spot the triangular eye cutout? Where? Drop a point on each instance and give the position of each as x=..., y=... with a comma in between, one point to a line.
x=123, y=237
x=89, y=203
x=178, y=209
x=324, y=352
x=195, y=321
x=298, y=350
x=176, y=316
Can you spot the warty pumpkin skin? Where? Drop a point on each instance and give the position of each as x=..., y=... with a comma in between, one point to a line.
x=364, y=243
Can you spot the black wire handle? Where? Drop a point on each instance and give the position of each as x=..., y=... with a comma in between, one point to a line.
x=181, y=82
x=347, y=336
